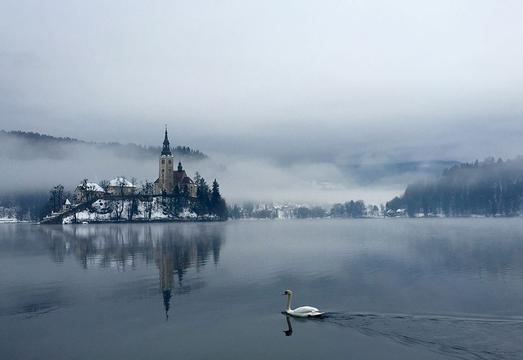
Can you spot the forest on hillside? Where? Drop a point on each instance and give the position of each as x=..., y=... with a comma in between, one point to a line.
x=42, y=145
x=485, y=188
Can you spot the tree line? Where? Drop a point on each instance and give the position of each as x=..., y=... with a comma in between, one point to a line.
x=52, y=146
x=348, y=209
x=27, y=205
x=487, y=188
x=208, y=200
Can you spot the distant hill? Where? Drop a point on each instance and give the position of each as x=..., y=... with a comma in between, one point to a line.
x=31, y=144
x=373, y=173
x=487, y=188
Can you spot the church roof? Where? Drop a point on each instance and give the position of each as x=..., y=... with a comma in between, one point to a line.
x=119, y=181
x=91, y=186
x=180, y=177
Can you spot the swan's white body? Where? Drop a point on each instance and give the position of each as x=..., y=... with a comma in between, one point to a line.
x=302, y=311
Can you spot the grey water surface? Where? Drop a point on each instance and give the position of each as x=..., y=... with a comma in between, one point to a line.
x=392, y=289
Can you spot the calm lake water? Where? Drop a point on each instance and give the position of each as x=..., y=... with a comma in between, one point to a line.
x=393, y=289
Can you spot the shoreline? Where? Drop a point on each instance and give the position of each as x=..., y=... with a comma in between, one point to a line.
x=140, y=221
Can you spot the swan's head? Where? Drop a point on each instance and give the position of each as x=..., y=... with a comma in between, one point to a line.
x=287, y=292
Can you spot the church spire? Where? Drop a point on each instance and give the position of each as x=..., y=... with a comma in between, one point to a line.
x=166, y=147
x=166, y=301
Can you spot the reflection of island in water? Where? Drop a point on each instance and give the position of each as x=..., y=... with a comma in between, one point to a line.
x=174, y=248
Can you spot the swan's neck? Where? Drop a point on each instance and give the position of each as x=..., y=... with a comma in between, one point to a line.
x=289, y=296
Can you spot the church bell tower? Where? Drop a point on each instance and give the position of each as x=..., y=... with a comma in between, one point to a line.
x=166, y=175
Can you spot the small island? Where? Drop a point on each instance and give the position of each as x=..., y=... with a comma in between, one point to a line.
x=173, y=196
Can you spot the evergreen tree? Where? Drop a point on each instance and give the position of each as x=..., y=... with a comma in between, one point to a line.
x=179, y=199
x=202, y=204
x=350, y=209
x=235, y=212
x=217, y=204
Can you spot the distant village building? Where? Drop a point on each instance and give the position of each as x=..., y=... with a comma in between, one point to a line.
x=168, y=178
x=88, y=191
x=121, y=186
x=67, y=205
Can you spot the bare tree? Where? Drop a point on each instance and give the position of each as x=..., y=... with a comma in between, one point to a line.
x=83, y=190
x=104, y=184
x=120, y=202
x=132, y=209
x=147, y=191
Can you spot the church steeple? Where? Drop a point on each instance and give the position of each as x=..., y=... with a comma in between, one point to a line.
x=166, y=301
x=166, y=147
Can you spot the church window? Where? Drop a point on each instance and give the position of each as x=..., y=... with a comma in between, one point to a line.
x=163, y=161
x=169, y=162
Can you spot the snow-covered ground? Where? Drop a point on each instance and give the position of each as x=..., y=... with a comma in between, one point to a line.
x=108, y=210
x=8, y=215
x=6, y=220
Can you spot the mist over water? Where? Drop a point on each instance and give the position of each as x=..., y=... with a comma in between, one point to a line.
x=38, y=167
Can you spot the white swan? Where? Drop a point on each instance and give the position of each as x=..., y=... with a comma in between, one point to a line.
x=302, y=311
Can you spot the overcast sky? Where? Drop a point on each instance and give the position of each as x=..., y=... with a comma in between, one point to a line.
x=335, y=81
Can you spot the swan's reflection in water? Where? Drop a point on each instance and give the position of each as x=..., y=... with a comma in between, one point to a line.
x=288, y=332
x=289, y=320
x=174, y=248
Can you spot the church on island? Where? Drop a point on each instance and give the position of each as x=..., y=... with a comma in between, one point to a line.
x=166, y=183
x=173, y=196
x=168, y=178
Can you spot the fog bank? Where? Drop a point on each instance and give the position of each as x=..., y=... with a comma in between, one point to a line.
x=242, y=178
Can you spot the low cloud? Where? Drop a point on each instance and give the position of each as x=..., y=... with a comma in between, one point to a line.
x=263, y=180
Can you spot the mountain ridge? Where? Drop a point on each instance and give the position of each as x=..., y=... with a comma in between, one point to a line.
x=50, y=145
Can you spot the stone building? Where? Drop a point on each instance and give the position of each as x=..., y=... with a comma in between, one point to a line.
x=121, y=186
x=67, y=205
x=87, y=191
x=168, y=178
x=184, y=182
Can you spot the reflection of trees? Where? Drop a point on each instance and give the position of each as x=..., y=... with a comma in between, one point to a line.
x=174, y=248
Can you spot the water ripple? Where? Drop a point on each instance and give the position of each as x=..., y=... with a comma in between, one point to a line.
x=461, y=337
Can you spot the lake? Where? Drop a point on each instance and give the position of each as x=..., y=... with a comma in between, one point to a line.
x=392, y=289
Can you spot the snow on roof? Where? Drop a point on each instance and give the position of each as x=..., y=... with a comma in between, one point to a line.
x=92, y=187
x=67, y=202
x=119, y=181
